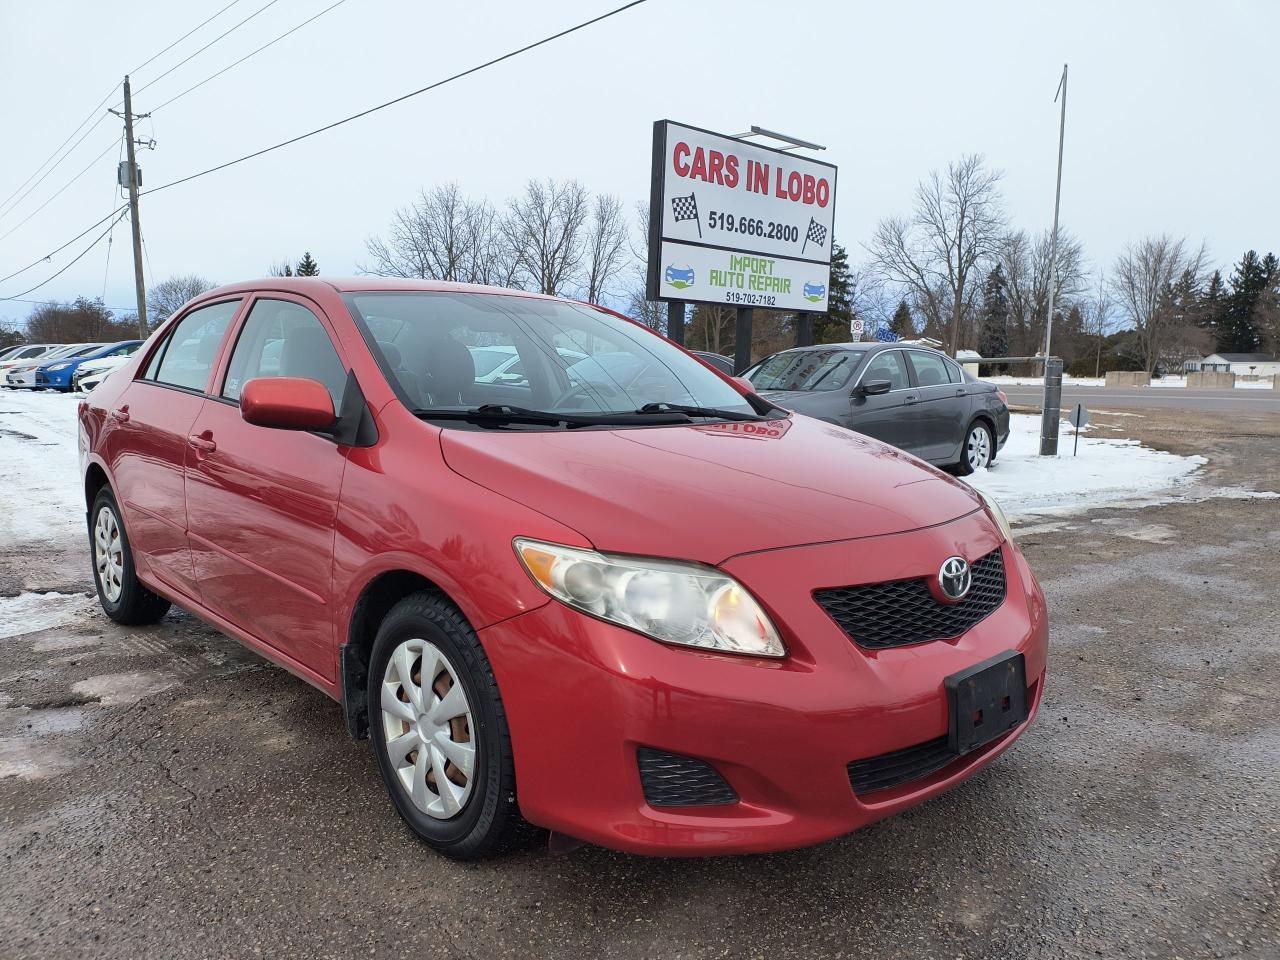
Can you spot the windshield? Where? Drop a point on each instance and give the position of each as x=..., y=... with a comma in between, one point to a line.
x=806, y=369
x=462, y=351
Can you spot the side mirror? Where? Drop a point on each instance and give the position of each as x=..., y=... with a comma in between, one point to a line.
x=287, y=403
x=871, y=388
x=745, y=384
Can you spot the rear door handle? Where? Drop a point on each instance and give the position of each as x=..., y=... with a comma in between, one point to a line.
x=121, y=414
x=961, y=391
x=202, y=442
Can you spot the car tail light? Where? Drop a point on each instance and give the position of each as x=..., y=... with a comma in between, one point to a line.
x=1004, y=397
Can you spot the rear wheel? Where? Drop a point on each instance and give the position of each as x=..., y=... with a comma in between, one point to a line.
x=439, y=731
x=978, y=449
x=123, y=597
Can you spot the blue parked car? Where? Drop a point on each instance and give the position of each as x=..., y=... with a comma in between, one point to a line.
x=56, y=374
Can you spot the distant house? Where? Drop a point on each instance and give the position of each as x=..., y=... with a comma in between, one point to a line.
x=1241, y=364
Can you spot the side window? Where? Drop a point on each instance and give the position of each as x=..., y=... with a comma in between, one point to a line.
x=284, y=339
x=930, y=368
x=186, y=357
x=954, y=372
x=888, y=366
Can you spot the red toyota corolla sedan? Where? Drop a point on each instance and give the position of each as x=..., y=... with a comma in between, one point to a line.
x=606, y=591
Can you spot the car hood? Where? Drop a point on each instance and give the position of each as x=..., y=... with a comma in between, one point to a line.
x=711, y=492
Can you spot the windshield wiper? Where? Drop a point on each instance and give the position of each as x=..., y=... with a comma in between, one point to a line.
x=694, y=411
x=505, y=413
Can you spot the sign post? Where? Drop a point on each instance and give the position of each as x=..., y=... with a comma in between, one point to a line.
x=1079, y=418
x=738, y=224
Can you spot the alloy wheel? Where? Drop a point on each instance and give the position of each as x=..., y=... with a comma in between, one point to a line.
x=427, y=723
x=108, y=554
x=978, y=447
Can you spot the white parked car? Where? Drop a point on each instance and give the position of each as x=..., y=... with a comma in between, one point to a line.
x=23, y=374
x=27, y=353
x=93, y=372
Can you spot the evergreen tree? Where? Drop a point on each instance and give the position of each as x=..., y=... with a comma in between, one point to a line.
x=307, y=267
x=902, y=323
x=1238, y=332
x=1211, y=310
x=835, y=325
x=993, y=324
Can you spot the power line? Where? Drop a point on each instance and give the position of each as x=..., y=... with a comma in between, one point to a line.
x=80, y=256
x=400, y=99
x=101, y=104
x=50, y=200
x=13, y=206
x=248, y=55
x=331, y=126
x=52, y=253
x=183, y=37
x=269, y=3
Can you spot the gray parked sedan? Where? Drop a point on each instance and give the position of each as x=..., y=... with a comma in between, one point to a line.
x=910, y=396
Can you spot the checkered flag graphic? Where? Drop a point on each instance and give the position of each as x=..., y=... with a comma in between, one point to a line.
x=686, y=208
x=817, y=233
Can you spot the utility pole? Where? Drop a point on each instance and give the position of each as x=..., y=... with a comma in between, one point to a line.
x=1052, y=371
x=139, y=284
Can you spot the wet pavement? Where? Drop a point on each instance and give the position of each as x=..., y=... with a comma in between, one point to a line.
x=164, y=792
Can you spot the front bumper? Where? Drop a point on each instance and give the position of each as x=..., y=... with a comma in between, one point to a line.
x=582, y=697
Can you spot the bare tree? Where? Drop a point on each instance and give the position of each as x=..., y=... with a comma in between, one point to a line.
x=1025, y=263
x=1099, y=320
x=954, y=227
x=1145, y=283
x=606, y=244
x=441, y=236
x=165, y=297
x=544, y=227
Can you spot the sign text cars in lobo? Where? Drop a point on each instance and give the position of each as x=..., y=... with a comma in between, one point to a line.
x=736, y=223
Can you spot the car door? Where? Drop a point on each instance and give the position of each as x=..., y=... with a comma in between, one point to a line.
x=941, y=413
x=146, y=443
x=885, y=415
x=261, y=503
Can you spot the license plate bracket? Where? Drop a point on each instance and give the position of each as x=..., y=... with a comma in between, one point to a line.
x=986, y=701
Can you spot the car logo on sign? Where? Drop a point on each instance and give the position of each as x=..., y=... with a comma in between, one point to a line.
x=955, y=578
x=679, y=277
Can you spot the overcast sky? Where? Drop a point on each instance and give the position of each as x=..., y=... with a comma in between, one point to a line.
x=1171, y=124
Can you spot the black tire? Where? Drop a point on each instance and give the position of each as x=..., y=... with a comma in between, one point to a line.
x=135, y=605
x=966, y=465
x=489, y=823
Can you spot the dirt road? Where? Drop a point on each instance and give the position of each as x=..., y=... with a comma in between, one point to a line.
x=165, y=793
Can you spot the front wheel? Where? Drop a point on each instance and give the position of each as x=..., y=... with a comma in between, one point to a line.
x=123, y=597
x=439, y=731
x=978, y=449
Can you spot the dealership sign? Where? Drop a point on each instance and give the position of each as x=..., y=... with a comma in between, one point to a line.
x=731, y=222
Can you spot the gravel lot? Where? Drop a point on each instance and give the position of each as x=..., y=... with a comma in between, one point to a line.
x=163, y=792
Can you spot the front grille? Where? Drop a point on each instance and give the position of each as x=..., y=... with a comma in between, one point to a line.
x=901, y=612
x=901, y=766
x=670, y=780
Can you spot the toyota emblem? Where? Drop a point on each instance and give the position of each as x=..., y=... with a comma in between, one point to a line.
x=955, y=578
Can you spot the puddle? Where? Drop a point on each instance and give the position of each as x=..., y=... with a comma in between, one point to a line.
x=112, y=689
x=28, y=759
x=32, y=612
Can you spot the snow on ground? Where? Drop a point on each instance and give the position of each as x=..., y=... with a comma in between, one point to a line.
x=1107, y=472
x=1101, y=382
x=41, y=496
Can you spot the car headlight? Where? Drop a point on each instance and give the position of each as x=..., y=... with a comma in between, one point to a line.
x=57, y=366
x=681, y=603
x=996, y=514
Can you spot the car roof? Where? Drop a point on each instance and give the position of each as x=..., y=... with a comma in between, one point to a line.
x=313, y=285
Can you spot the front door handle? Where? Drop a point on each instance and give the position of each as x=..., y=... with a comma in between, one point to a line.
x=121, y=414
x=961, y=391
x=911, y=398
x=203, y=442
